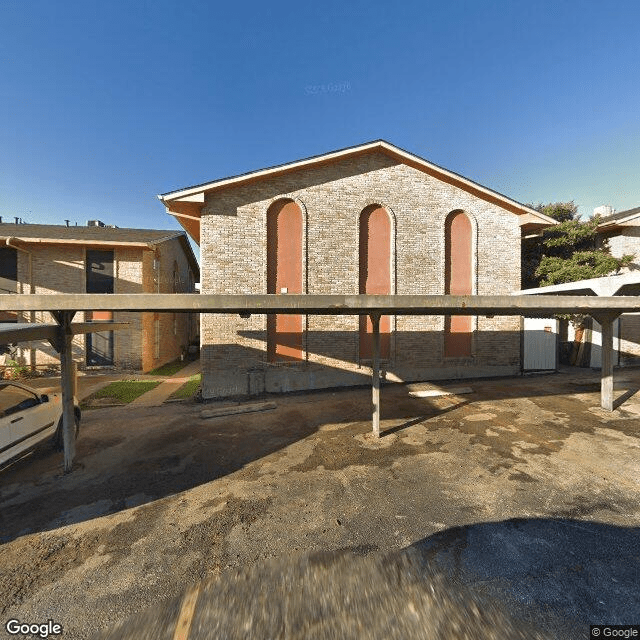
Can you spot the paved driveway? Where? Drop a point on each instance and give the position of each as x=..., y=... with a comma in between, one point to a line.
x=525, y=490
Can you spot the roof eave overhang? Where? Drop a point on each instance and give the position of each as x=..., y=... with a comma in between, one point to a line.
x=614, y=225
x=188, y=214
x=87, y=242
x=609, y=228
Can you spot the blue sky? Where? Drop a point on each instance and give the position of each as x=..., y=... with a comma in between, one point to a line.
x=103, y=105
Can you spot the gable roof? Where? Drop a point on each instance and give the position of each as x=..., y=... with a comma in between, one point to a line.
x=618, y=219
x=96, y=237
x=186, y=204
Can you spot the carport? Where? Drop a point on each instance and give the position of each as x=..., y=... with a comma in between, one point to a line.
x=622, y=284
x=605, y=309
x=59, y=337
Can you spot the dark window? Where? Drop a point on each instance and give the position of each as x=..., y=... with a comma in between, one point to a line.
x=99, y=271
x=14, y=399
x=100, y=280
x=8, y=270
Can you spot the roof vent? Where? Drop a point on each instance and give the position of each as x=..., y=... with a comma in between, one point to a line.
x=95, y=223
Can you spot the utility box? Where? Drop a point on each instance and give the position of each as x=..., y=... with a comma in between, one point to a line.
x=540, y=344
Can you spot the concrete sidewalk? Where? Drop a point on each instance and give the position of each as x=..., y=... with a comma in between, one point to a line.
x=157, y=396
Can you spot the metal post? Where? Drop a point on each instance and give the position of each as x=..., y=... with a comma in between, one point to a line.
x=66, y=380
x=606, y=379
x=375, y=321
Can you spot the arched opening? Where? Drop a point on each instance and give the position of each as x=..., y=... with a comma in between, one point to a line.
x=458, y=282
x=284, y=275
x=375, y=274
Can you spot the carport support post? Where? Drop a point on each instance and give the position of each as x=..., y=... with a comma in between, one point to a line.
x=606, y=373
x=375, y=321
x=66, y=379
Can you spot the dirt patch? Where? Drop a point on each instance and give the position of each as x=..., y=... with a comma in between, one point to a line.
x=211, y=534
x=162, y=498
x=350, y=447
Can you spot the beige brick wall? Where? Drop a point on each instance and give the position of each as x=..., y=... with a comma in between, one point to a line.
x=127, y=343
x=61, y=269
x=233, y=250
x=174, y=329
x=627, y=242
x=56, y=269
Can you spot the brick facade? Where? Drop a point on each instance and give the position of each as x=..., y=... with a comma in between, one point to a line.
x=60, y=268
x=332, y=197
x=626, y=241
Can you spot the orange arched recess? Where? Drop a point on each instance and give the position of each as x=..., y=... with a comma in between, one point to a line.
x=458, y=281
x=284, y=275
x=375, y=274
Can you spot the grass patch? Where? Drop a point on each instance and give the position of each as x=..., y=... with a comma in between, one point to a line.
x=121, y=392
x=170, y=368
x=188, y=389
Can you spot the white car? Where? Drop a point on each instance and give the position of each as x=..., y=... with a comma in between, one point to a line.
x=28, y=417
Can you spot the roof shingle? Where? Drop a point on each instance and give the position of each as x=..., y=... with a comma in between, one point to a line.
x=619, y=215
x=105, y=234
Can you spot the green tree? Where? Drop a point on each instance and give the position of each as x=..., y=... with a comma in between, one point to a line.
x=568, y=251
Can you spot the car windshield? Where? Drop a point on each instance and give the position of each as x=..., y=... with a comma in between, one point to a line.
x=14, y=399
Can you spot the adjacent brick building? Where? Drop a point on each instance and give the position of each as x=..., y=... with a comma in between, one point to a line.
x=621, y=232
x=37, y=258
x=368, y=219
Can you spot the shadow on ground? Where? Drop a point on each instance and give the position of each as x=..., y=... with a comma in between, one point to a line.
x=524, y=578
x=577, y=572
x=127, y=457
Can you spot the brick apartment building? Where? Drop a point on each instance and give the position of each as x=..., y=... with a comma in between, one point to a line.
x=37, y=258
x=621, y=232
x=367, y=219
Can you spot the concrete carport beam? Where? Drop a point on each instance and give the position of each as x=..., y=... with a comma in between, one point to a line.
x=606, y=321
x=431, y=305
x=604, y=309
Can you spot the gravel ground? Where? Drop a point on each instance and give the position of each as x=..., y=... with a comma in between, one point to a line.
x=524, y=492
x=332, y=595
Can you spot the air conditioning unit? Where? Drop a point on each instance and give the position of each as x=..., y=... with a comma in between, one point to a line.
x=95, y=223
